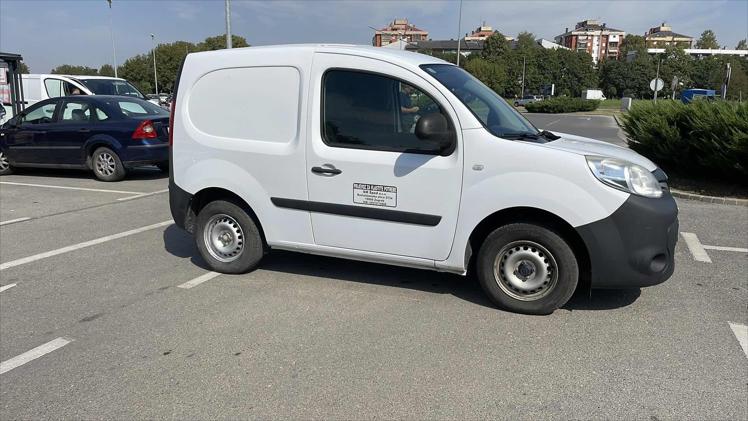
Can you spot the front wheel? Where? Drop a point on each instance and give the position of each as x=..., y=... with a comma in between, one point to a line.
x=228, y=238
x=5, y=167
x=527, y=268
x=107, y=165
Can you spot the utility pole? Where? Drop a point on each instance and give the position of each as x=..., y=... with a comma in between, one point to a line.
x=228, y=24
x=155, y=75
x=523, y=78
x=459, y=33
x=657, y=78
x=727, y=81
x=111, y=31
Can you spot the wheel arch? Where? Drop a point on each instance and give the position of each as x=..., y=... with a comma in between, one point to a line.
x=533, y=216
x=210, y=194
x=96, y=142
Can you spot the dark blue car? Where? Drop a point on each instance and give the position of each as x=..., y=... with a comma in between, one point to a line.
x=107, y=134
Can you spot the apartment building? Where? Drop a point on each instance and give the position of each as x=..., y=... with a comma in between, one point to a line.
x=482, y=32
x=595, y=38
x=663, y=36
x=398, y=29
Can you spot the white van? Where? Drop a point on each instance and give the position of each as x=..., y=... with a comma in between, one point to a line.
x=593, y=94
x=395, y=157
x=38, y=87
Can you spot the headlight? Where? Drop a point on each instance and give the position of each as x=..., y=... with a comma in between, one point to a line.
x=625, y=176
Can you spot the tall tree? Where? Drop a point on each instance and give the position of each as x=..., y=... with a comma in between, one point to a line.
x=23, y=68
x=495, y=46
x=106, y=70
x=632, y=43
x=218, y=42
x=69, y=69
x=526, y=40
x=742, y=45
x=707, y=40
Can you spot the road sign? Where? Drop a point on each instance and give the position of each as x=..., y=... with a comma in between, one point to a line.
x=656, y=84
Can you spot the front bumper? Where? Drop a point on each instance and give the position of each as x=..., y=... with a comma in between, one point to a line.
x=634, y=246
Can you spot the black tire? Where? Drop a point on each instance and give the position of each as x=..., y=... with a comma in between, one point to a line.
x=516, y=104
x=5, y=168
x=527, y=269
x=106, y=165
x=231, y=222
x=163, y=166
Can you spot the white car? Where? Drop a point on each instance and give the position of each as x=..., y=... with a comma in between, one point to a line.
x=38, y=87
x=394, y=157
x=527, y=99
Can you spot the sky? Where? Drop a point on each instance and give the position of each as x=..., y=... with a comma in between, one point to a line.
x=50, y=33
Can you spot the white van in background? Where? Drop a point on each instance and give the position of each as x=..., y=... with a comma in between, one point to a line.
x=38, y=87
x=593, y=94
x=395, y=157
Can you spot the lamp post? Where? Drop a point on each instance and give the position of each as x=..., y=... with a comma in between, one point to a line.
x=459, y=33
x=111, y=31
x=228, y=24
x=155, y=75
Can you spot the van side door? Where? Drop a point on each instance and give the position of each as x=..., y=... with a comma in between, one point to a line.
x=373, y=184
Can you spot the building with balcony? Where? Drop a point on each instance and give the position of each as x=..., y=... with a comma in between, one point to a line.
x=399, y=29
x=663, y=36
x=483, y=32
x=594, y=38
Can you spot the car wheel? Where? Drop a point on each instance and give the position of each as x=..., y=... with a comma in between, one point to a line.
x=527, y=269
x=163, y=166
x=516, y=104
x=5, y=167
x=228, y=238
x=107, y=165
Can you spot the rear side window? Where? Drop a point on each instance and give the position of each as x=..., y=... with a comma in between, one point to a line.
x=135, y=108
x=250, y=103
x=370, y=111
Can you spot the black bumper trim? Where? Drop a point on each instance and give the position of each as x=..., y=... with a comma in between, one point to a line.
x=179, y=203
x=635, y=245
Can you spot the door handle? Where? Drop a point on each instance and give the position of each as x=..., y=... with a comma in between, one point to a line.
x=326, y=170
x=84, y=130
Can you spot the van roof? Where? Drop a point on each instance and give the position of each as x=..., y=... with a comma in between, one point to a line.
x=387, y=54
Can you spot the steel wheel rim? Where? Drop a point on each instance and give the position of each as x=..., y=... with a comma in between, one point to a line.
x=105, y=164
x=525, y=270
x=4, y=164
x=224, y=238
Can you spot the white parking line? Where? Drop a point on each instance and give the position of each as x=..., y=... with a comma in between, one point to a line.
x=199, y=280
x=13, y=221
x=78, y=246
x=737, y=249
x=138, y=196
x=741, y=333
x=48, y=186
x=694, y=245
x=33, y=354
x=4, y=287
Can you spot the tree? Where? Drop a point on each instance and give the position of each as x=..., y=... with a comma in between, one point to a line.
x=525, y=40
x=218, y=42
x=495, y=46
x=23, y=68
x=742, y=45
x=106, y=70
x=633, y=43
x=708, y=40
x=490, y=73
x=69, y=69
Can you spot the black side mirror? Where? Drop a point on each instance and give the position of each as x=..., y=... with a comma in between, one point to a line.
x=435, y=128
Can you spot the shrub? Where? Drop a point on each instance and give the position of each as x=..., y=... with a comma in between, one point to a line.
x=705, y=138
x=562, y=105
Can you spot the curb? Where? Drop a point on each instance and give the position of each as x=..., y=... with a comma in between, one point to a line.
x=708, y=199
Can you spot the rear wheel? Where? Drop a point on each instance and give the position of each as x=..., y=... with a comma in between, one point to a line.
x=107, y=165
x=527, y=269
x=5, y=167
x=228, y=238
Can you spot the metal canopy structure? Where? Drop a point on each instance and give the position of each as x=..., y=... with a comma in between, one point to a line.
x=12, y=63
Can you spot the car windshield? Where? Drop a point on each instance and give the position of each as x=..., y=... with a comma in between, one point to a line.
x=112, y=87
x=497, y=116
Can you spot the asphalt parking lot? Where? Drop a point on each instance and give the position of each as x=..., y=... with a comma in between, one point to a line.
x=106, y=311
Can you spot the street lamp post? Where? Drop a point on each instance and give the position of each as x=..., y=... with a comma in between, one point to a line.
x=155, y=75
x=111, y=31
x=459, y=33
x=228, y=24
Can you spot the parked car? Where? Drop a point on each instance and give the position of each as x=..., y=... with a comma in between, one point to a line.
x=311, y=149
x=38, y=87
x=593, y=94
x=527, y=99
x=107, y=134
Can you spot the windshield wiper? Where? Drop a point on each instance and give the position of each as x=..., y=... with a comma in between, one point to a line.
x=521, y=136
x=548, y=135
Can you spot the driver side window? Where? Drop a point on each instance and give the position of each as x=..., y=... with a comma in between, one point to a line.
x=41, y=115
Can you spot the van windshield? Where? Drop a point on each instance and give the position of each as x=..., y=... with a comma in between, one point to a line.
x=112, y=87
x=497, y=116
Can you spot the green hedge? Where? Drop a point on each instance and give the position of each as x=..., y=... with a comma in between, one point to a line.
x=704, y=138
x=562, y=105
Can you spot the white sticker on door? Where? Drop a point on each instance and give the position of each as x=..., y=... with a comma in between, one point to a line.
x=375, y=194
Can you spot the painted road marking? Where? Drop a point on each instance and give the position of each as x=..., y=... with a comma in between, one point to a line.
x=199, y=280
x=79, y=246
x=4, y=287
x=35, y=353
x=48, y=186
x=737, y=249
x=741, y=333
x=13, y=221
x=694, y=245
x=138, y=196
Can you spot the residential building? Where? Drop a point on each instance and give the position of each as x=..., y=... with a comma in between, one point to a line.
x=483, y=32
x=595, y=38
x=397, y=30
x=663, y=36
